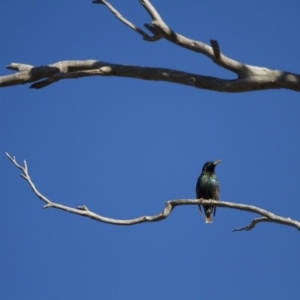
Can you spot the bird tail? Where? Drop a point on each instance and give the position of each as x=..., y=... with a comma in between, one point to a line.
x=208, y=220
x=208, y=215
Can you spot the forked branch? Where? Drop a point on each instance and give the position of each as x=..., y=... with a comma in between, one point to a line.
x=169, y=205
x=247, y=77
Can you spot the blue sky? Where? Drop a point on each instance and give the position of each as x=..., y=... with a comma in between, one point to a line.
x=123, y=147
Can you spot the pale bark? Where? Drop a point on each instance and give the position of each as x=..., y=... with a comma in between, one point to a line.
x=246, y=77
x=169, y=205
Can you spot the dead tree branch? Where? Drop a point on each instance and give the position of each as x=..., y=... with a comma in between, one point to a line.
x=169, y=206
x=248, y=78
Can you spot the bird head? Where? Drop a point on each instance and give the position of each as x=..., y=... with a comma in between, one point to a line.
x=209, y=167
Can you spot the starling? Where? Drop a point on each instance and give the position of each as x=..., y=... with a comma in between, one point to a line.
x=207, y=187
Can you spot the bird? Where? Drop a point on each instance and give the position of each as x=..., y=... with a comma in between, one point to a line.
x=207, y=187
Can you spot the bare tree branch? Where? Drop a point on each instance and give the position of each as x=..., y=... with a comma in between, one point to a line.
x=145, y=36
x=213, y=52
x=249, y=78
x=169, y=206
x=76, y=69
x=252, y=224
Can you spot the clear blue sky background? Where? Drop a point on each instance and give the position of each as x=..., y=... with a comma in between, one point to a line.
x=123, y=147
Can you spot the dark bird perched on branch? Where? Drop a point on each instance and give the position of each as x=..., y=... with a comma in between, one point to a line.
x=207, y=187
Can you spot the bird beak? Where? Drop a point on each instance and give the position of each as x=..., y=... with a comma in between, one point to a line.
x=216, y=162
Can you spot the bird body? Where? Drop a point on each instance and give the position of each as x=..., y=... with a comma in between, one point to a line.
x=207, y=187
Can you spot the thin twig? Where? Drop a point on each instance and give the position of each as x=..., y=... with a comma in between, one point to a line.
x=180, y=40
x=249, y=78
x=145, y=36
x=252, y=224
x=169, y=206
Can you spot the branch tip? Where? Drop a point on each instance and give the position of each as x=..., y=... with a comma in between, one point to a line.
x=216, y=48
x=7, y=154
x=83, y=207
x=98, y=1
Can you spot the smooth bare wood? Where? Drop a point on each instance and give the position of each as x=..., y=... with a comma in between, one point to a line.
x=169, y=206
x=246, y=77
